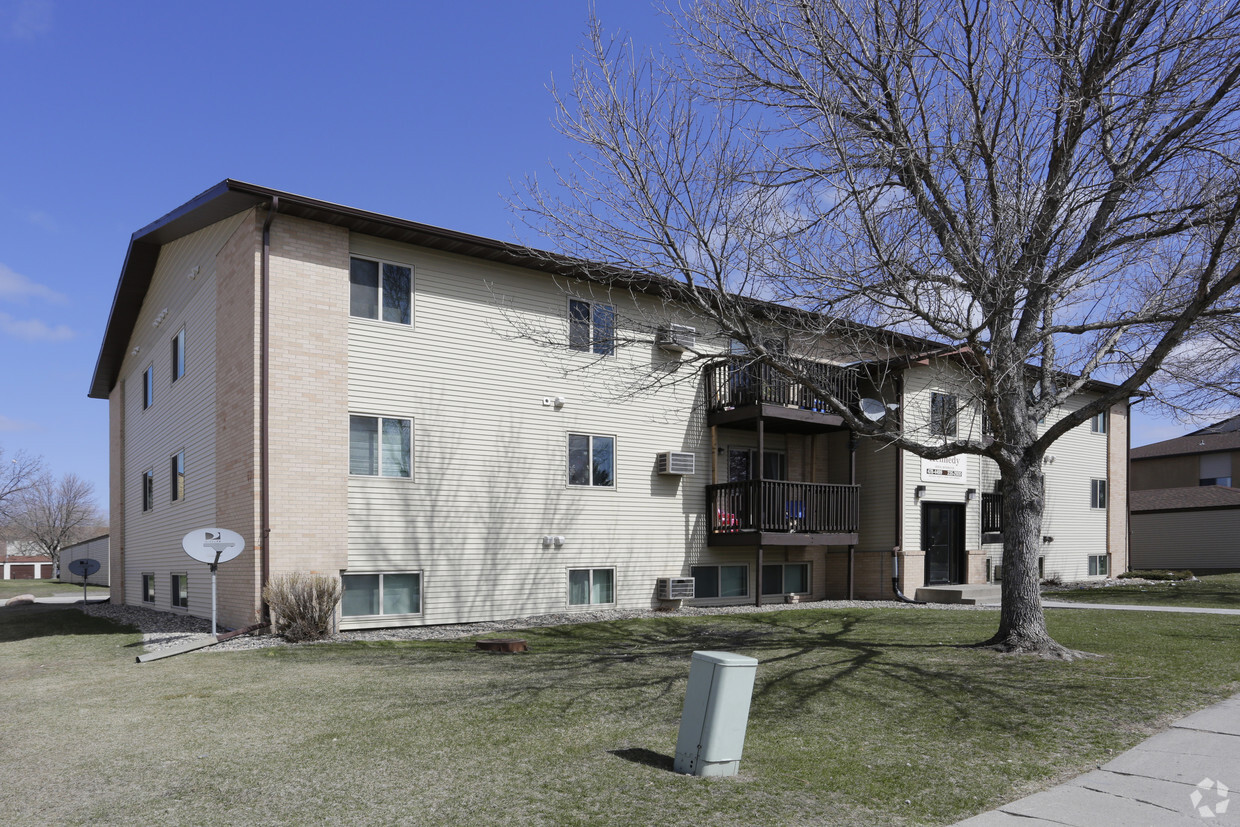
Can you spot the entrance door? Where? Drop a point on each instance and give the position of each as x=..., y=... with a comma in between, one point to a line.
x=942, y=536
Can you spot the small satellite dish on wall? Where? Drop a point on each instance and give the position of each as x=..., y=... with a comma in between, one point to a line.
x=84, y=567
x=873, y=409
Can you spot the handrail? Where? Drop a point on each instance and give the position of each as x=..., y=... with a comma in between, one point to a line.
x=799, y=507
x=737, y=380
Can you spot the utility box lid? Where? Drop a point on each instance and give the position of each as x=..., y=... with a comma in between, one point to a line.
x=726, y=659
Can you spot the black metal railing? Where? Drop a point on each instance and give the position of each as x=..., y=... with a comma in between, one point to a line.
x=992, y=513
x=797, y=507
x=738, y=381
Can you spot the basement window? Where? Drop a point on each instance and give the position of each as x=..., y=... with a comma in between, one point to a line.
x=384, y=593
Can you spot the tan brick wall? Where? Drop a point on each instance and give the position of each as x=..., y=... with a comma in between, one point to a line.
x=237, y=409
x=1117, y=488
x=309, y=404
x=116, y=492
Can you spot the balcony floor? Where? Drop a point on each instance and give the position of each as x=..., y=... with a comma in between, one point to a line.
x=779, y=538
x=781, y=418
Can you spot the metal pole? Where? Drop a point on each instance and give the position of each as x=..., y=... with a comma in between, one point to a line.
x=214, y=567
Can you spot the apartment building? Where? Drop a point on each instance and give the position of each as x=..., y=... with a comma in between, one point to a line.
x=462, y=430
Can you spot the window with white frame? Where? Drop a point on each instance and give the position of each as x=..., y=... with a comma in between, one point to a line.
x=176, y=476
x=379, y=446
x=148, y=387
x=380, y=290
x=148, y=490
x=180, y=591
x=380, y=594
x=1098, y=565
x=178, y=355
x=591, y=460
x=591, y=587
x=1097, y=493
x=785, y=578
x=720, y=581
x=943, y=410
x=1098, y=423
x=591, y=327
x=148, y=587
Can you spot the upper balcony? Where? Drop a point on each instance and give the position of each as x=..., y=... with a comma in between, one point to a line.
x=739, y=390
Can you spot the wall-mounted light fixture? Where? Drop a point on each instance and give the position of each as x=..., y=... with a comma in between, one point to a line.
x=552, y=540
x=970, y=494
x=919, y=492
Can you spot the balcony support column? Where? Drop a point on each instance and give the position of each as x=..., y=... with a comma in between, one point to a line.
x=852, y=480
x=759, y=516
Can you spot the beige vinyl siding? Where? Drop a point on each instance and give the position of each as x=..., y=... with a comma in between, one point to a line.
x=182, y=418
x=94, y=549
x=1197, y=539
x=490, y=459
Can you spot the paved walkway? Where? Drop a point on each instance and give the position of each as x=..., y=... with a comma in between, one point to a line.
x=1182, y=776
x=68, y=598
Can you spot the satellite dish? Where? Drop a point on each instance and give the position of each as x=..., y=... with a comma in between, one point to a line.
x=84, y=567
x=213, y=545
x=873, y=409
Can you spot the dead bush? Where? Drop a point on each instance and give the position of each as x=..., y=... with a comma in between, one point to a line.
x=302, y=605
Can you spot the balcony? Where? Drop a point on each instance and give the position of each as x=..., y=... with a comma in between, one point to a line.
x=792, y=513
x=738, y=389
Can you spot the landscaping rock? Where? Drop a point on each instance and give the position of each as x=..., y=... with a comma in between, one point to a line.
x=20, y=600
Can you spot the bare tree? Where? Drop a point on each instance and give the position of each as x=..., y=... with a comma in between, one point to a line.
x=1048, y=189
x=54, y=514
x=17, y=474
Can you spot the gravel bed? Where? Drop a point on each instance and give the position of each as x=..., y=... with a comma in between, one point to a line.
x=161, y=630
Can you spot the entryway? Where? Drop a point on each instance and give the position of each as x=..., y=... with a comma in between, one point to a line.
x=942, y=537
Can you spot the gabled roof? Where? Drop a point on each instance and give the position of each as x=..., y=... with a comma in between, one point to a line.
x=1181, y=499
x=1199, y=442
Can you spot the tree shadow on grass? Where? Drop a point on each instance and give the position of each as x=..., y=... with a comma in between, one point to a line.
x=52, y=620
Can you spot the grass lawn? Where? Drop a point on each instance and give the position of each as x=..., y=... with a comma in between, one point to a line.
x=46, y=588
x=870, y=716
x=1213, y=591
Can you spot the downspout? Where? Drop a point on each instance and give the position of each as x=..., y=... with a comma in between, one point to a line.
x=264, y=472
x=895, y=552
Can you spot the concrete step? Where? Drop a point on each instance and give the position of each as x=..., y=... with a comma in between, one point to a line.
x=969, y=595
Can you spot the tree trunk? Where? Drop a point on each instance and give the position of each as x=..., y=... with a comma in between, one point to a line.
x=1022, y=624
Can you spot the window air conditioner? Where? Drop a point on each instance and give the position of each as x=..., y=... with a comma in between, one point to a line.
x=676, y=337
x=680, y=463
x=676, y=588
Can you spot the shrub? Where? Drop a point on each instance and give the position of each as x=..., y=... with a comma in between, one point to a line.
x=302, y=605
x=1156, y=574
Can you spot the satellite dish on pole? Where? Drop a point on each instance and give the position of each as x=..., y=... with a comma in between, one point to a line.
x=213, y=546
x=84, y=567
x=873, y=409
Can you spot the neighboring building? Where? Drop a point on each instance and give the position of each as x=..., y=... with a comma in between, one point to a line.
x=1185, y=508
x=421, y=440
x=20, y=561
x=94, y=549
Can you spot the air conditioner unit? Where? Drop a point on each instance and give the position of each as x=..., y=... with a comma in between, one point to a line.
x=676, y=337
x=680, y=463
x=676, y=588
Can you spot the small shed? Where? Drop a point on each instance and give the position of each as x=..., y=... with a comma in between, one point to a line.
x=95, y=548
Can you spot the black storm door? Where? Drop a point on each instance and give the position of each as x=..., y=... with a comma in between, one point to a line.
x=942, y=536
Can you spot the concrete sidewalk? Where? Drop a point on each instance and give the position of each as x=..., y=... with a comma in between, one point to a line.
x=1072, y=604
x=1182, y=776
x=67, y=598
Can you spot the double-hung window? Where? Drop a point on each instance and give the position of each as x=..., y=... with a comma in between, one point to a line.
x=148, y=587
x=379, y=446
x=148, y=490
x=380, y=290
x=591, y=460
x=178, y=355
x=720, y=581
x=180, y=591
x=176, y=476
x=1098, y=423
x=148, y=387
x=591, y=327
x=1097, y=493
x=943, y=410
x=591, y=587
x=387, y=593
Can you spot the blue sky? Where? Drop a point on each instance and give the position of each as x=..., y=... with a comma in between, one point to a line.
x=115, y=113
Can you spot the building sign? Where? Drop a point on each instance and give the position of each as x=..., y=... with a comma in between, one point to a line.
x=948, y=469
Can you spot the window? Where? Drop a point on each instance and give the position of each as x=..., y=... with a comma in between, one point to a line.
x=1097, y=493
x=148, y=490
x=388, y=593
x=148, y=587
x=591, y=327
x=742, y=461
x=943, y=408
x=178, y=355
x=1215, y=469
x=380, y=290
x=1098, y=423
x=1097, y=565
x=591, y=460
x=180, y=591
x=148, y=387
x=591, y=587
x=379, y=446
x=785, y=578
x=720, y=581
x=176, y=476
